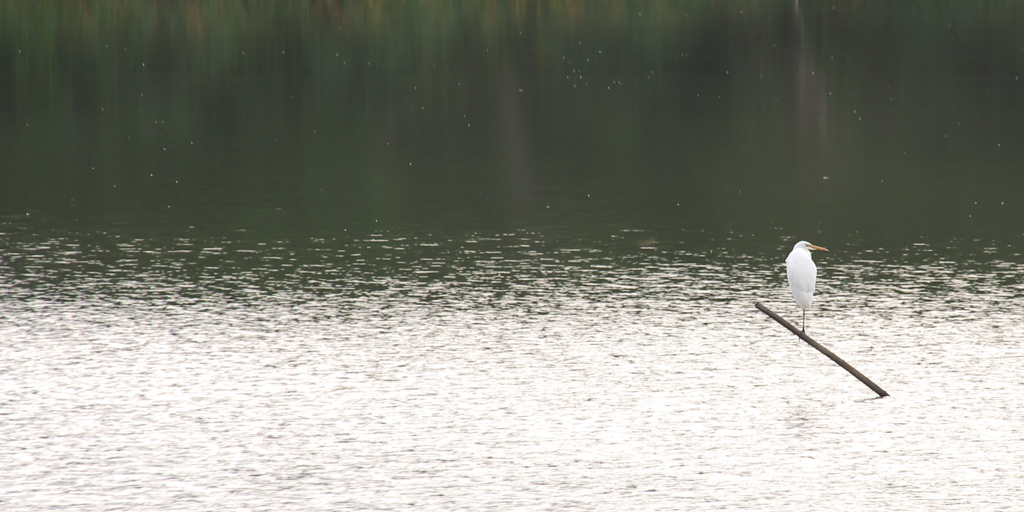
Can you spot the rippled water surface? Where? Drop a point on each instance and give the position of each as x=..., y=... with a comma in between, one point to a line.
x=474, y=256
x=498, y=371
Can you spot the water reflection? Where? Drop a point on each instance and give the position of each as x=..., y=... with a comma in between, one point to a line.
x=470, y=256
x=494, y=117
x=498, y=370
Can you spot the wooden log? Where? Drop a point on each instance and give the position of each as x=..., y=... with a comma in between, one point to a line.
x=828, y=353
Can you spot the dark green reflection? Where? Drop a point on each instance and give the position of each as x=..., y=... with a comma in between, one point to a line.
x=789, y=117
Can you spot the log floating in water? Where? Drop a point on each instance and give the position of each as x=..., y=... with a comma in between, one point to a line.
x=828, y=353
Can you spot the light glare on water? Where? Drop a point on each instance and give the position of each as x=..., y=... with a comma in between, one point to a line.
x=522, y=370
x=504, y=255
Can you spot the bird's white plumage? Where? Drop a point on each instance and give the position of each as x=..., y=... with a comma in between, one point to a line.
x=802, y=273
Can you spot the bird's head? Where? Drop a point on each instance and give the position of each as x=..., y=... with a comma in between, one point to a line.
x=808, y=246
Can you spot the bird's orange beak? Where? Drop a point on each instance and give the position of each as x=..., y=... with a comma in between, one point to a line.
x=815, y=247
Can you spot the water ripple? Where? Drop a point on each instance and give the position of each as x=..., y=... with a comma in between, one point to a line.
x=519, y=370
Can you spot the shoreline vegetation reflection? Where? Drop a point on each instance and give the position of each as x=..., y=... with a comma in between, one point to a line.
x=511, y=114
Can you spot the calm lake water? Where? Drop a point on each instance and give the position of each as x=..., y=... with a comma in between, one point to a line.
x=501, y=371
x=336, y=256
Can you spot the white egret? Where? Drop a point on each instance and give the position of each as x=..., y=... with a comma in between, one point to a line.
x=801, y=272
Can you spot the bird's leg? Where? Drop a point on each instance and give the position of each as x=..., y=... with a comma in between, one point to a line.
x=803, y=324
